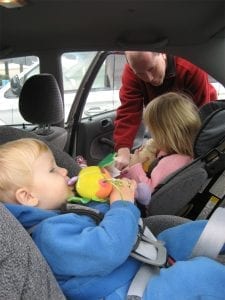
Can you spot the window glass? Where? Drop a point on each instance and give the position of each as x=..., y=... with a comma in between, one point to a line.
x=218, y=86
x=104, y=94
x=74, y=67
x=13, y=73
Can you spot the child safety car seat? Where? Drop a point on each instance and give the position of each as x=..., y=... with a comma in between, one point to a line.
x=24, y=273
x=195, y=190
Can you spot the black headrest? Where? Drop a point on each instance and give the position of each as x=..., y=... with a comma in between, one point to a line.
x=40, y=101
x=212, y=131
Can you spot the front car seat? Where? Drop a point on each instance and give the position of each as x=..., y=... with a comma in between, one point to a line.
x=40, y=103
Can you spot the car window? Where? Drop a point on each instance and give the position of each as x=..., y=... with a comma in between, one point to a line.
x=219, y=87
x=104, y=94
x=74, y=67
x=13, y=73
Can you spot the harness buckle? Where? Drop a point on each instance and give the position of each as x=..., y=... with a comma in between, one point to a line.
x=148, y=249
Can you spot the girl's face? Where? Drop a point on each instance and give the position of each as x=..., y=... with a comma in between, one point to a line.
x=49, y=182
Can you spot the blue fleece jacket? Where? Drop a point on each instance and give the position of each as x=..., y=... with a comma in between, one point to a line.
x=91, y=262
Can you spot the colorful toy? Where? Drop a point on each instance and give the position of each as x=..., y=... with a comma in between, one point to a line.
x=146, y=153
x=95, y=183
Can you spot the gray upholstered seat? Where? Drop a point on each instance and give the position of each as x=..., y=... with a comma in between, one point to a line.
x=40, y=103
x=24, y=274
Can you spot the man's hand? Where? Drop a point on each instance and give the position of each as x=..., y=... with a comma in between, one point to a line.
x=122, y=159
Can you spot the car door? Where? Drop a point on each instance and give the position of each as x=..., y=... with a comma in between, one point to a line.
x=90, y=122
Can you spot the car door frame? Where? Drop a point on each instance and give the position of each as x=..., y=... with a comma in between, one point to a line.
x=95, y=132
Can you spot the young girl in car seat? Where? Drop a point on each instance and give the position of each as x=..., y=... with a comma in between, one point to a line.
x=173, y=122
x=92, y=261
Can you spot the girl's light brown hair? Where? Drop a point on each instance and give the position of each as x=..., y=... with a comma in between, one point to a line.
x=16, y=159
x=173, y=122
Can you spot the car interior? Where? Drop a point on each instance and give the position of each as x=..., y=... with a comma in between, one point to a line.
x=60, y=74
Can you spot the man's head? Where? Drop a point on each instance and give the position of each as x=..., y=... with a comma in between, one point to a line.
x=148, y=66
x=29, y=175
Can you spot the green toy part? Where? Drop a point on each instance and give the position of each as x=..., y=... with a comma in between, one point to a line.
x=108, y=160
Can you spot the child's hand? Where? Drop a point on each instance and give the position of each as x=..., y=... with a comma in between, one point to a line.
x=125, y=190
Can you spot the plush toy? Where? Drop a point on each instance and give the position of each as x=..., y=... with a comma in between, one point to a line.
x=92, y=184
x=145, y=155
x=95, y=183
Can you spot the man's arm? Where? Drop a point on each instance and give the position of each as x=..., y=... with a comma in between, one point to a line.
x=128, y=118
x=129, y=114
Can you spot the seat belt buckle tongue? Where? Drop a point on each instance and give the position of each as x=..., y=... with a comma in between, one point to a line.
x=148, y=249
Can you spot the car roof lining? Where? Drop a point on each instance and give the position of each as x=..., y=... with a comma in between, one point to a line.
x=117, y=25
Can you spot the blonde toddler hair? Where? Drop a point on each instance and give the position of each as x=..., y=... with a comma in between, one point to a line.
x=16, y=159
x=173, y=121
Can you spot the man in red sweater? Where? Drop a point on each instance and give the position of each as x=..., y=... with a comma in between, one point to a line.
x=146, y=76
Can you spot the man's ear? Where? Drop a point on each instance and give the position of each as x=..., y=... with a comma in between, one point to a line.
x=24, y=197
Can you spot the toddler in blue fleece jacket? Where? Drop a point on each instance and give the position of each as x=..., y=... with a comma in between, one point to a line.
x=93, y=261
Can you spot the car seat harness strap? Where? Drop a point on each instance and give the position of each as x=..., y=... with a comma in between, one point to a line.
x=80, y=209
x=154, y=164
x=146, y=249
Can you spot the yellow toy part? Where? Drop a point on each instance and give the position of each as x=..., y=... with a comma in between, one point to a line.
x=94, y=183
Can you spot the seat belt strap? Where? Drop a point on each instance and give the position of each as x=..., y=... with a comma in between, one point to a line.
x=147, y=248
x=212, y=238
x=140, y=281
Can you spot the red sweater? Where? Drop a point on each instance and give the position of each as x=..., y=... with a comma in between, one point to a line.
x=181, y=75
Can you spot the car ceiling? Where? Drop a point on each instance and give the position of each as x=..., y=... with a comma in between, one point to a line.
x=193, y=29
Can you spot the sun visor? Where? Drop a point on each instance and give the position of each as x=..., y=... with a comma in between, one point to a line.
x=212, y=131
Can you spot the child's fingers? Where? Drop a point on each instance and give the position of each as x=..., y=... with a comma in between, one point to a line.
x=124, y=190
x=131, y=183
